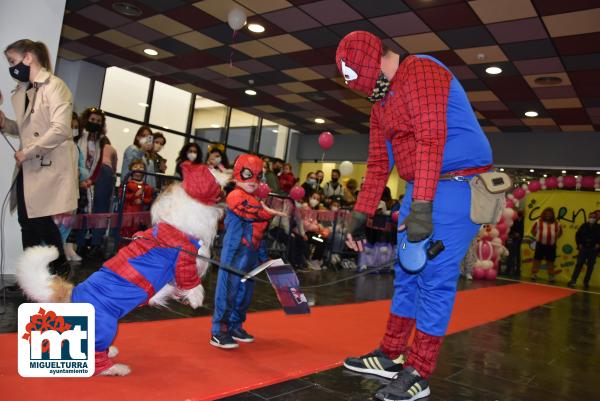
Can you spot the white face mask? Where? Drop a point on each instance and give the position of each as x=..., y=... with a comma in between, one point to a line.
x=313, y=202
x=218, y=160
x=192, y=156
x=75, y=132
x=334, y=208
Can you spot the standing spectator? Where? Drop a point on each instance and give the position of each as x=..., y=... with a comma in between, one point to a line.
x=47, y=159
x=270, y=177
x=158, y=162
x=320, y=177
x=310, y=185
x=190, y=151
x=287, y=180
x=216, y=158
x=142, y=143
x=349, y=198
x=588, y=244
x=546, y=231
x=513, y=243
x=333, y=188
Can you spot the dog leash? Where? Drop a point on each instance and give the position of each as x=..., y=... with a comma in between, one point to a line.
x=241, y=273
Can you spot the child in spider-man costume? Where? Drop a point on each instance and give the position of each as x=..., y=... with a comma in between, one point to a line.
x=422, y=121
x=246, y=220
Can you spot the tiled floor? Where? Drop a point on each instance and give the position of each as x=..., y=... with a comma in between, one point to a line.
x=548, y=353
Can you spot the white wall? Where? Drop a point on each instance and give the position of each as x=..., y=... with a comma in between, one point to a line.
x=85, y=81
x=19, y=21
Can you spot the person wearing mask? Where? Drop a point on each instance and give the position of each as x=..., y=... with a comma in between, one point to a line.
x=47, y=157
x=270, y=176
x=216, y=158
x=333, y=189
x=546, y=231
x=142, y=142
x=156, y=160
x=310, y=185
x=588, y=244
x=190, y=151
x=287, y=180
x=320, y=177
x=138, y=195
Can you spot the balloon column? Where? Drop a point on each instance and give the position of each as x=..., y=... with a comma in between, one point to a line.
x=490, y=246
x=562, y=182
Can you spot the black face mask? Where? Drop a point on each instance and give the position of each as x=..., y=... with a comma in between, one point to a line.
x=20, y=72
x=334, y=179
x=93, y=127
x=276, y=170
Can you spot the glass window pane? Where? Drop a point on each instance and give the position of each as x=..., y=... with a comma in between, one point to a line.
x=125, y=93
x=232, y=154
x=273, y=139
x=170, y=107
x=121, y=134
x=208, y=121
x=241, y=129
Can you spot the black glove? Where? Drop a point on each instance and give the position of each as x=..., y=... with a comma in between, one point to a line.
x=358, y=226
x=418, y=222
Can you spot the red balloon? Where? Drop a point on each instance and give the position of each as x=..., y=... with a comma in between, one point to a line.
x=485, y=250
x=519, y=193
x=504, y=237
x=297, y=193
x=326, y=140
x=478, y=273
x=534, y=186
x=395, y=216
x=510, y=204
x=502, y=228
x=587, y=182
x=490, y=274
x=569, y=181
x=551, y=182
x=263, y=191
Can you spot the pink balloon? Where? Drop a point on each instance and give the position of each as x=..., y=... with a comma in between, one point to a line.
x=326, y=140
x=502, y=228
x=535, y=186
x=297, y=193
x=569, y=181
x=510, y=204
x=485, y=250
x=395, y=216
x=504, y=237
x=263, y=191
x=478, y=273
x=519, y=193
x=490, y=274
x=587, y=182
x=551, y=182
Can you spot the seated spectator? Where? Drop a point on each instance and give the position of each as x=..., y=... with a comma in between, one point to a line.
x=287, y=180
x=190, y=151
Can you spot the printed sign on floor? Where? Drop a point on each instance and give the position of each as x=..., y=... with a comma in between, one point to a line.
x=56, y=340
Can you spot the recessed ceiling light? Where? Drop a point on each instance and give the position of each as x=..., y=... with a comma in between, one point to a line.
x=127, y=9
x=151, y=52
x=545, y=175
x=598, y=172
x=215, y=126
x=564, y=171
x=531, y=113
x=501, y=169
x=125, y=130
x=531, y=170
x=257, y=28
x=493, y=70
x=250, y=92
x=143, y=104
x=319, y=121
x=548, y=80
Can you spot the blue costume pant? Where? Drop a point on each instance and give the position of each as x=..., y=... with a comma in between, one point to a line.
x=429, y=295
x=232, y=297
x=113, y=297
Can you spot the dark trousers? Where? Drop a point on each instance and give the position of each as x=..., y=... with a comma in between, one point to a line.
x=38, y=230
x=513, y=261
x=103, y=190
x=588, y=257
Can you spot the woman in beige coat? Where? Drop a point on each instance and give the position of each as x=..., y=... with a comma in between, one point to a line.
x=46, y=162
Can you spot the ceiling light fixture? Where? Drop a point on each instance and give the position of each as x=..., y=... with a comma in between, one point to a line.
x=564, y=171
x=256, y=28
x=531, y=113
x=501, y=169
x=598, y=172
x=531, y=170
x=548, y=80
x=545, y=175
x=151, y=52
x=493, y=70
x=319, y=121
x=127, y=9
x=250, y=92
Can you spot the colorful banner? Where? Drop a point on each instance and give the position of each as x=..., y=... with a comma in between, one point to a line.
x=572, y=209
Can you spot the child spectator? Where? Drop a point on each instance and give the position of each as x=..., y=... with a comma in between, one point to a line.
x=138, y=195
x=287, y=180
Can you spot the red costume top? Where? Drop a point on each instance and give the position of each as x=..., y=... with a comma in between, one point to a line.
x=286, y=182
x=131, y=196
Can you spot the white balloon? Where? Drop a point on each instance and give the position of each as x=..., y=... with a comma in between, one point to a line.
x=543, y=186
x=487, y=264
x=560, y=184
x=346, y=168
x=597, y=180
x=596, y=186
x=508, y=213
x=236, y=18
x=542, y=181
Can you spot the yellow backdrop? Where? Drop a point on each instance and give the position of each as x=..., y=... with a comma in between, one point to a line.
x=572, y=209
x=397, y=185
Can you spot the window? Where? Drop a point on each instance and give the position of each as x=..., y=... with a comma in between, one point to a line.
x=209, y=120
x=170, y=107
x=125, y=93
x=241, y=129
x=273, y=139
x=232, y=154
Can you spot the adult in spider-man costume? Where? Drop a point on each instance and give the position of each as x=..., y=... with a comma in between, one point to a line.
x=422, y=122
x=246, y=221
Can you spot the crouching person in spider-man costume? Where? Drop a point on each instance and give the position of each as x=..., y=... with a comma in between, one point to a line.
x=246, y=220
x=422, y=122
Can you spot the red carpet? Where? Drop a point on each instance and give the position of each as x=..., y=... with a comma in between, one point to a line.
x=171, y=359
